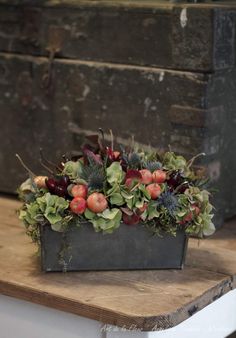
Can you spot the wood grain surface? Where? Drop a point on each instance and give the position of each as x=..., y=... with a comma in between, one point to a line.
x=88, y=30
x=146, y=300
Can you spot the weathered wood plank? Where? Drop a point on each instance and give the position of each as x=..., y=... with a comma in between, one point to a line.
x=120, y=3
x=84, y=95
x=87, y=95
x=31, y=120
x=221, y=93
x=145, y=300
x=158, y=34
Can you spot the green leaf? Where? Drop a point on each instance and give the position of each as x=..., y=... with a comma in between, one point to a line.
x=107, y=225
x=89, y=214
x=130, y=203
x=152, y=214
x=58, y=226
x=114, y=189
x=115, y=173
x=27, y=186
x=72, y=169
x=209, y=229
x=126, y=195
x=144, y=191
x=65, y=222
x=42, y=204
x=53, y=218
x=152, y=211
x=79, y=181
x=31, y=215
x=172, y=161
x=110, y=213
x=49, y=208
x=52, y=207
x=140, y=203
x=22, y=214
x=117, y=199
x=144, y=215
x=61, y=204
x=182, y=213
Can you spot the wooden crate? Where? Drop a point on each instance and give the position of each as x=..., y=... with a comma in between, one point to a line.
x=163, y=72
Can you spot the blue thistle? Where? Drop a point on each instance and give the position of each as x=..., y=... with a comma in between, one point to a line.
x=152, y=165
x=94, y=176
x=132, y=160
x=168, y=200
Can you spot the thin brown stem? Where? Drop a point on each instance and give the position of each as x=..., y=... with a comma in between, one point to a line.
x=47, y=168
x=190, y=162
x=136, y=186
x=24, y=165
x=112, y=140
x=102, y=133
x=47, y=162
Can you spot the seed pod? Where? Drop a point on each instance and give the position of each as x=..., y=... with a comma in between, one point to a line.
x=40, y=181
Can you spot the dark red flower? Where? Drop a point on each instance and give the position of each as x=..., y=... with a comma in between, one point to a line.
x=130, y=219
x=112, y=155
x=134, y=174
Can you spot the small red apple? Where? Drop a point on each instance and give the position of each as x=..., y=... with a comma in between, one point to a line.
x=159, y=176
x=97, y=202
x=190, y=215
x=154, y=190
x=146, y=176
x=79, y=190
x=78, y=205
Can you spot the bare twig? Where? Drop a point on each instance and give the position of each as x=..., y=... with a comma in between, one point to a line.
x=24, y=165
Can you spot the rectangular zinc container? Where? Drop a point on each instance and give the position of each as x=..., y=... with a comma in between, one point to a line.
x=128, y=248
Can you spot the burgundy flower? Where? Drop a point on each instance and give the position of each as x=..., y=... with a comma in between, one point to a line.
x=133, y=174
x=130, y=219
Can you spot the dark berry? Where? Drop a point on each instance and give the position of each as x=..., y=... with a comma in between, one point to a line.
x=51, y=184
x=60, y=191
x=175, y=179
x=64, y=181
x=183, y=187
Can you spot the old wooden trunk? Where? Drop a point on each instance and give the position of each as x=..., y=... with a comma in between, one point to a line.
x=127, y=248
x=164, y=72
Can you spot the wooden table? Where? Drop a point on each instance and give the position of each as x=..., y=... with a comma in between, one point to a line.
x=145, y=301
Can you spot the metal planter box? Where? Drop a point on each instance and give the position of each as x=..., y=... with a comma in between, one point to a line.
x=128, y=248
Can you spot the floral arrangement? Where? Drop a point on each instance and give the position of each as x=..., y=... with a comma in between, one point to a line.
x=111, y=188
